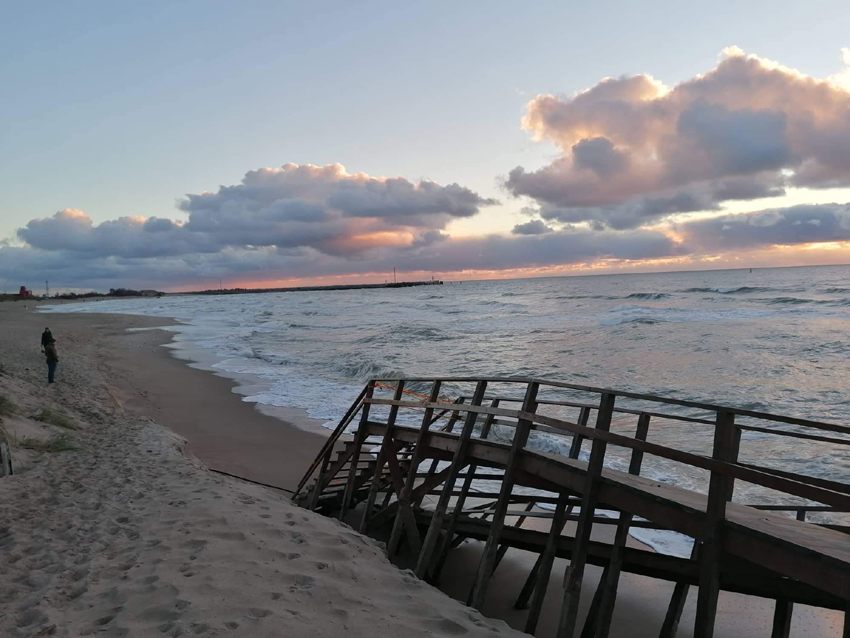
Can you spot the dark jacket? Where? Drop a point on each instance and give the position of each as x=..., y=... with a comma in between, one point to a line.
x=50, y=351
x=46, y=336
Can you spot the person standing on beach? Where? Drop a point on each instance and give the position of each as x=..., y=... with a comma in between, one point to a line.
x=46, y=338
x=52, y=360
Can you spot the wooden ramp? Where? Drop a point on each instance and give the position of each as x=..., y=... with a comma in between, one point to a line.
x=432, y=472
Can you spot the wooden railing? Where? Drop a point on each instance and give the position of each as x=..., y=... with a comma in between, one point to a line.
x=722, y=464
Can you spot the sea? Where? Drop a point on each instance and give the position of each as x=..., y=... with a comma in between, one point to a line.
x=773, y=340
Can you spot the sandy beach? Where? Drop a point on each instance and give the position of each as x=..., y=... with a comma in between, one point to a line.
x=130, y=534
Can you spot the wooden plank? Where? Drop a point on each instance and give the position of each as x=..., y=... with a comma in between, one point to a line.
x=404, y=498
x=719, y=492
x=709, y=407
x=387, y=448
x=5, y=460
x=321, y=480
x=332, y=439
x=488, y=556
x=459, y=460
x=521, y=516
x=459, y=502
x=611, y=576
x=575, y=572
x=418, y=492
x=359, y=437
x=543, y=567
x=534, y=579
x=405, y=513
x=449, y=427
x=784, y=610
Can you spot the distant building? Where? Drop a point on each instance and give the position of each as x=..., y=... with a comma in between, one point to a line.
x=150, y=293
x=24, y=293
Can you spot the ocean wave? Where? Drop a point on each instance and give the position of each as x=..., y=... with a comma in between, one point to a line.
x=618, y=321
x=836, y=291
x=739, y=290
x=608, y=297
x=648, y=295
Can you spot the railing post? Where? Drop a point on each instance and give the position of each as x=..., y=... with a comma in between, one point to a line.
x=784, y=610
x=404, y=518
x=359, y=437
x=599, y=625
x=537, y=576
x=488, y=557
x=719, y=491
x=461, y=499
x=457, y=464
x=387, y=448
x=320, y=480
x=575, y=572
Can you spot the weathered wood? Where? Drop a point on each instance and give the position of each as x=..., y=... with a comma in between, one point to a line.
x=533, y=579
x=321, y=480
x=743, y=549
x=449, y=427
x=575, y=572
x=404, y=497
x=459, y=460
x=521, y=516
x=488, y=556
x=611, y=577
x=784, y=610
x=385, y=450
x=461, y=499
x=332, y=439
x=543, y=568
x=359, y=437
x=5, y=460
x=719, y=492
x=709, y=407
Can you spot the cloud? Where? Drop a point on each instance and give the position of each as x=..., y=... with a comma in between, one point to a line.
x=318, y=207
x=805, y=224
x=534, y=227
x=433, y=252
x=633, y=151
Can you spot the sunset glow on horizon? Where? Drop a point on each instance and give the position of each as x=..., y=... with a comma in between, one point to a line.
x=730, y=160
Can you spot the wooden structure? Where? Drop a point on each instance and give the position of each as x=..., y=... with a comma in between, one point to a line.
x=432, y=472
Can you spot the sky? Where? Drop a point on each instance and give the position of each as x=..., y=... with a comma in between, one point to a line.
x=173, y=145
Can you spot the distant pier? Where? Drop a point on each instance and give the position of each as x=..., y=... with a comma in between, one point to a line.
x=244, y=291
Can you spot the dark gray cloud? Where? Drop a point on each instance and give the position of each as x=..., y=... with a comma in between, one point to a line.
x=634, y=151
x=534, y=227
x=795, y=225
x=434, y=252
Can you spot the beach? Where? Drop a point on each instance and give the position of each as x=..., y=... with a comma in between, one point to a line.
x=131, y=533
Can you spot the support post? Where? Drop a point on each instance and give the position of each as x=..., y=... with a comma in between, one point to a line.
x=320, y=480
x=404, y=518
x=359, y=437
x=543, y=566
x=461, y=499
x=607, y=590
x=457, y=464
x=575, y=572
x=488, y=557
x=784, y=610
x=387, y=447
x=533, y=579
x=718, y=492
x=450, y=426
